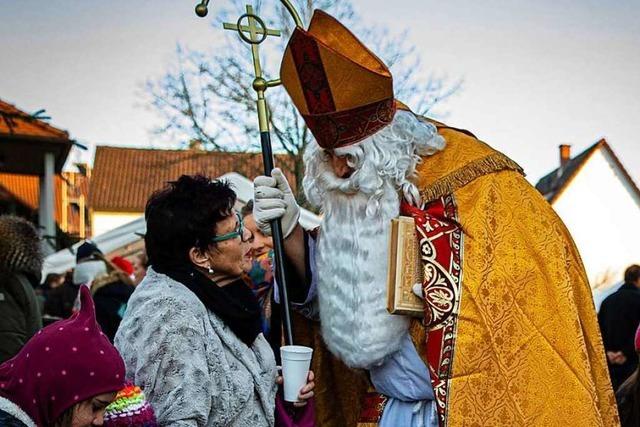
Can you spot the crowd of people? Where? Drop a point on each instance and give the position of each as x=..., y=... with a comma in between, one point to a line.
x=191, y=332
x=112, y=281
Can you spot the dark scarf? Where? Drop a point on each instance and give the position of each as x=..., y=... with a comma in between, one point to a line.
x=235, y=303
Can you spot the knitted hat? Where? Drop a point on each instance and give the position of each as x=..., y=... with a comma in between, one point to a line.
x=130, y=409
x=63, y=364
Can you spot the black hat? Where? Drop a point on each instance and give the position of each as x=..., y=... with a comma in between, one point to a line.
x=87, y=250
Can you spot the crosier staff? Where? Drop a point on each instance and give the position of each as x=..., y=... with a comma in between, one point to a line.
x=254, y=33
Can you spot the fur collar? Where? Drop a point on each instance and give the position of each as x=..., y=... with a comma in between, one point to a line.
x=14, y=410
x=20, y=250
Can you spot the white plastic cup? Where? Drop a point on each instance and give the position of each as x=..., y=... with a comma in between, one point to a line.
x=296, y=361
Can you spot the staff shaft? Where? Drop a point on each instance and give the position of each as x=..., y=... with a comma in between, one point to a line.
x=256, y=27
x=278, y=245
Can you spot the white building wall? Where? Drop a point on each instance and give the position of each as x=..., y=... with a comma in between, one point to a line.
x=101, y=222
x=602, y=212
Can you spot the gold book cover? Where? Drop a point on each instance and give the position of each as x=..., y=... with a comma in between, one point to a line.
x=405, y=269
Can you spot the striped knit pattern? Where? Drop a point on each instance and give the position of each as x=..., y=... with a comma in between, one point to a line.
x=130, y=408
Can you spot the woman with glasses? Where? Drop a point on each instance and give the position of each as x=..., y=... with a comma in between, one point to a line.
x=191, y=336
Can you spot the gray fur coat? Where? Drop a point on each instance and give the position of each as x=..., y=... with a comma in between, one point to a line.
x=192, y=367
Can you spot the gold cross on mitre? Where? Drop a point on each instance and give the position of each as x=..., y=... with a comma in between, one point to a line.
x=257, y=33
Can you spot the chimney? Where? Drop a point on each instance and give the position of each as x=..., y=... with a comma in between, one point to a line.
x=196, y=145
x=565, y=155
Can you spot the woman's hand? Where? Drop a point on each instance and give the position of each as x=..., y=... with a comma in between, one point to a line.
x=306, y=392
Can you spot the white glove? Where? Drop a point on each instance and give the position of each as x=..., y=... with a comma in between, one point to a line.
x=273, y=199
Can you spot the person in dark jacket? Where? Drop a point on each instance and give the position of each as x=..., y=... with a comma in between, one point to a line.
x=619, y=318
x=111, y=293
x=59, y=302
x=51, y=282
x=20, y=273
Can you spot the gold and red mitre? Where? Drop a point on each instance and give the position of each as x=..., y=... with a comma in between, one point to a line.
x=342, y=89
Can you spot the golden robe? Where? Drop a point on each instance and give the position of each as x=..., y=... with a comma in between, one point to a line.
x=525, y=347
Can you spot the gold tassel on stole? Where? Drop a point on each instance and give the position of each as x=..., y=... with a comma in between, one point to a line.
x=459, y=178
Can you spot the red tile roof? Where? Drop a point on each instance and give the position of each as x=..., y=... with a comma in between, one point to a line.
x=25, y=139
x=16, y=122
x=25, y=189
x=123, y=178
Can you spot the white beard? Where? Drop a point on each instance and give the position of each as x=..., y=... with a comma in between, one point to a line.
x=352, y=271
x=354, y=236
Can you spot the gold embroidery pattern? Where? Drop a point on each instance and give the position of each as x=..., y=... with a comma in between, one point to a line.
x=528, y=349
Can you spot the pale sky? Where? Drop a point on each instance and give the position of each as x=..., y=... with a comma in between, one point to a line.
x=536, y=73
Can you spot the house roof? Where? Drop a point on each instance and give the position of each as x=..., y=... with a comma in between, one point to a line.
x=16, y=122
x=123, y=178
x=24, y=139
x=554, y=183
x=25, y=189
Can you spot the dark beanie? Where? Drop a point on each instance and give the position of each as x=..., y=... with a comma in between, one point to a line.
x=87, y=250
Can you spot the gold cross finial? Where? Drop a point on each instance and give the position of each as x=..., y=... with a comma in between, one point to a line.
x=257, y=31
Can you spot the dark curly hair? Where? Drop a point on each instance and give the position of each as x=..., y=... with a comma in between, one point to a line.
x=184, y=215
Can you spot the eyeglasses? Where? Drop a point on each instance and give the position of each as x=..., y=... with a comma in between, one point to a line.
x=238, y=232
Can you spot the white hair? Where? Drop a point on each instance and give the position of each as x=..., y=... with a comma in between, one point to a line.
x=352, y=247
x=390, y=156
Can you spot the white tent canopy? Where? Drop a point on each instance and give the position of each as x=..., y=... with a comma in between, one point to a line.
x=127, y=234
x=110, y=241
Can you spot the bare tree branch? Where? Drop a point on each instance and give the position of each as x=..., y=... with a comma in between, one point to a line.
x=207, y=98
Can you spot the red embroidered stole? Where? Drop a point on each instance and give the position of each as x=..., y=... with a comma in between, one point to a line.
x=440, y=241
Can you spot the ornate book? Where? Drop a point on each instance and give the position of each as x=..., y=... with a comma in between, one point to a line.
x=405, y=269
